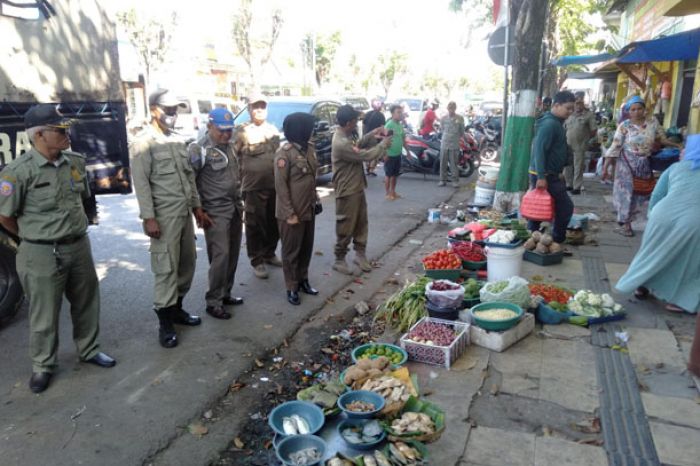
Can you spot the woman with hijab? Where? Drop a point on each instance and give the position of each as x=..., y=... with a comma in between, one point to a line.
x=297, y=203
x=631, y=148
x=667, y=264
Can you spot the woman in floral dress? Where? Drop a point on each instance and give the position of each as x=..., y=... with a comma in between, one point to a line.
x=632, y=146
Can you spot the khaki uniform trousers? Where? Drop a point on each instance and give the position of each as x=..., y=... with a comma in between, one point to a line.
x=173, y=258
x=223, y=247
x=449, y=157
x=261, y=233
x=574, y=173
x=351, y=224
x=297, y=247
x=45, y=276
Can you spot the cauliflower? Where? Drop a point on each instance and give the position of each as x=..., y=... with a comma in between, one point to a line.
x=575, y=307
x=617, y=307
x=608, y=300
x=594, y=299
x=581, y=296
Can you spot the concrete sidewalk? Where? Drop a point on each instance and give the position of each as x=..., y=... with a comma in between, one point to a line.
x=562, y=396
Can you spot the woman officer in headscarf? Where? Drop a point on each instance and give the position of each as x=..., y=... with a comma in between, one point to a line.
x=297, y=203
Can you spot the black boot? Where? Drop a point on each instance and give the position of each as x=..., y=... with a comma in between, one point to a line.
x=182, y=317
x=306, y=287
x=293, y=297
x=166, y=331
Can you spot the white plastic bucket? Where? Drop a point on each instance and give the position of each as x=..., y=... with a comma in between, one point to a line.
x=503, y=263
x=484, y=196
x=488, y=175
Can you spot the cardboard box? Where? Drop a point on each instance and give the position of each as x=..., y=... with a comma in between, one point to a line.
x=500, y=341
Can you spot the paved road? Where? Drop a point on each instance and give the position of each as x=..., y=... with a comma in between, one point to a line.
x=119, y=416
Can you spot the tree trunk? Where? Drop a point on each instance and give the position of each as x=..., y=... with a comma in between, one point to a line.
x=515, y=154
x=550, y=80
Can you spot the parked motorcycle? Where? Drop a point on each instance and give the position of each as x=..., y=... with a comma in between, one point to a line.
x=424, y=155
x=487, y=132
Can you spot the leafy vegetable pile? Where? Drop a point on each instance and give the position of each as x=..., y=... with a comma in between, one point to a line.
x=405, y=307
x=589, y=304
x=471, y=289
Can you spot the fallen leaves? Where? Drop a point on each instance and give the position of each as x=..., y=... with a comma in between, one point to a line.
x=238, y=443
x=235, y=386
x=259, y=363
x=197, y=429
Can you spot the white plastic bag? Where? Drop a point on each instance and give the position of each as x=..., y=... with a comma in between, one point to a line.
x=447, y=298
x=515, y=291
x=599, y=166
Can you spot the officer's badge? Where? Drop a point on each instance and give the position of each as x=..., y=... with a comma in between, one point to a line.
x=281, y=163
x=6, y=188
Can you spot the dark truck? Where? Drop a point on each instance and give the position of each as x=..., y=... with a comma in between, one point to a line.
x=62, y=52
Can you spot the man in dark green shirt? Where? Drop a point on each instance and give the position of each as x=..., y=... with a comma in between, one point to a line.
x=548, y=159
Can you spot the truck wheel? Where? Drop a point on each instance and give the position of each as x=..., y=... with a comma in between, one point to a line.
x=11, y=294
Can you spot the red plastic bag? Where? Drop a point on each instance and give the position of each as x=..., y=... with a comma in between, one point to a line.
x=537, y=205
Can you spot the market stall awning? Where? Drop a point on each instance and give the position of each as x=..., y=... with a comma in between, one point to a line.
x=605, y=75
x=681, y=7
x=676, y=47
x=581, y=59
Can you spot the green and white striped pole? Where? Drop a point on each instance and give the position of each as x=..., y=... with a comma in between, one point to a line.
x=515, y=153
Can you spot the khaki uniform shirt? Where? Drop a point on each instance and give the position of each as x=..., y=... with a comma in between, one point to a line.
x=162, y=175
x=452, y=132
x=218, y=177
x=295, y=182
x=257, y=155
x=348, y=158
x=579, y=127
x=45, y=197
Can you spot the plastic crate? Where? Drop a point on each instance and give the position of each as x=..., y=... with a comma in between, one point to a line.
x=444, y=356
x=543, y=259
x=474, y=265
x=443, y=274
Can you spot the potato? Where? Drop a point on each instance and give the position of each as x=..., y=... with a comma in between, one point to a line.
x=555, y=248
x=537, y=236
x=541, y=248
x=380, y=363
x=547, y=239
x=374, y=372
x=530, y=244
x=364, y=364
x=354, y=373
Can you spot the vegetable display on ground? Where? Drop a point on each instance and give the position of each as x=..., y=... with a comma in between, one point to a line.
x=405, y=307
x=442, y=259
x=432, y=333
x=550, y=293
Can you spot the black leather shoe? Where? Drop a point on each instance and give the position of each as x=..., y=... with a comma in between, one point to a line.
x=218, y=312
x=182, y=317
x=293, y=297
x=233, y=301
x=102, y=360
x=39, y=381
x=306, y=287
x=166, y=332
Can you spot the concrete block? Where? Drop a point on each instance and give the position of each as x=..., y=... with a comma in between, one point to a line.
x=651, y=347
x=676, y=445
x=500, y=341
x=498, y=447
x=680, y=411
x=556, y=451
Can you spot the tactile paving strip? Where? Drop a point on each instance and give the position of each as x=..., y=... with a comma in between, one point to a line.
x=625, y=428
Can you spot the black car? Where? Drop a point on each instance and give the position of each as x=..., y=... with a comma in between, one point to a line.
x=323, y=110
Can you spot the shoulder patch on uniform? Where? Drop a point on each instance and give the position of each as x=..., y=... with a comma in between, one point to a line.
x=281, y=163
x=75, y=173
x=7, y=188
x=287, y=146
x=8, y=177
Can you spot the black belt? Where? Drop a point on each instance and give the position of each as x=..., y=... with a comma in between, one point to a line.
x=62, y=241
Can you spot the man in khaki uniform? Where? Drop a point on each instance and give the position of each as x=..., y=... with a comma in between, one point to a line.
x=297, y=203
x=256, y=144
x=217, y=175
x=580, y=128
x=350, y=183
x=41, y=196
x=167, y=197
